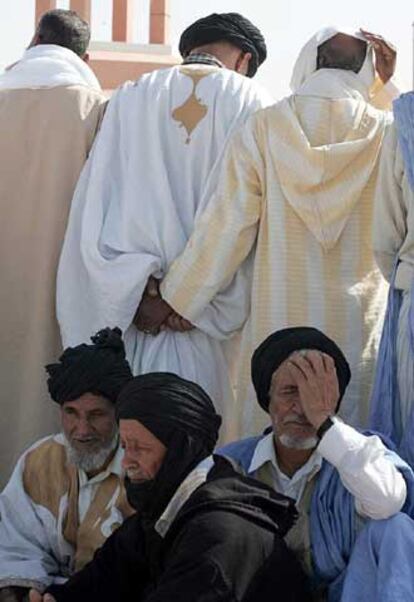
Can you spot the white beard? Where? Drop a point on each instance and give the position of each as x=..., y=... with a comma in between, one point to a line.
x=296, y=443
x=90, y=461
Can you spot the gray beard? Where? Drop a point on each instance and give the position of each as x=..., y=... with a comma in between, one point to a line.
x=90, y=461
x=294, y=443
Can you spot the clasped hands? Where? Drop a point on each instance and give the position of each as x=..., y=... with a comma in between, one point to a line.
x=154, y=314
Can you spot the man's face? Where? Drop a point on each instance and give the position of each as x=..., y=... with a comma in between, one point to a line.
x=290, y=425
x=88, y=423
x=143, y=452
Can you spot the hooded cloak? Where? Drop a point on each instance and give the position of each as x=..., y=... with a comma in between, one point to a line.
x=229, y=27
x=100, y=368
x=306, y=63
x=280, y=345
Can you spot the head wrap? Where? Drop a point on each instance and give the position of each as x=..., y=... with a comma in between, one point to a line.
x=100, y=368
x=280, y=345
x=229, y=27
x=306, y=63
x=182, y=416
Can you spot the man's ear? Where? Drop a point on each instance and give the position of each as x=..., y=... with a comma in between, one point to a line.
x=242, y=63
x=86, y=57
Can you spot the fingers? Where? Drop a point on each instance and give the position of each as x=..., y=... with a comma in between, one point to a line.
x=35, y=596
x=178, y=323
x=153, y=288
x=380, y=43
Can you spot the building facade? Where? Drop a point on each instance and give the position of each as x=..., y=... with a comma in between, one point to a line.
x=120, y=59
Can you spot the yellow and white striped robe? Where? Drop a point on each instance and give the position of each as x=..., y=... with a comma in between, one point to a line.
x=299, y=182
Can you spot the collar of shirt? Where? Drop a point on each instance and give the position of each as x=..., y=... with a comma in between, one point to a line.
x=114, y=467
x=204, y=58
x=291, y=486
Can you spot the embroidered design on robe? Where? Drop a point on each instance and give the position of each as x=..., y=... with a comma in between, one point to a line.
x=192, y=111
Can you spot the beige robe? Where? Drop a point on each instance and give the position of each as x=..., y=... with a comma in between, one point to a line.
x=298, y=186
x=46, y=135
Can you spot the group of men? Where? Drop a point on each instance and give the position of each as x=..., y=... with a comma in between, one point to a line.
x=195, y=209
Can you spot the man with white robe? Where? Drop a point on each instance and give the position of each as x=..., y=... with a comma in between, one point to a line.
x=297, y=186
x=50, y=108
x=158, y=153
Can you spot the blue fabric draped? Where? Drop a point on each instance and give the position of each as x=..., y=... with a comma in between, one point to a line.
x=334, y=524
x=380, y=568
x=385, y=414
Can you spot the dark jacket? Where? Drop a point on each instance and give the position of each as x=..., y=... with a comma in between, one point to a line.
x=225, y=545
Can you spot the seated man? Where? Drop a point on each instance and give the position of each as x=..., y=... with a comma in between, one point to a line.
x=65, y=496
x=338, y=476
x=203, y=533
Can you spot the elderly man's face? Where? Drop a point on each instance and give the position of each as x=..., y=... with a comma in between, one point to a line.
x=290, y=425
x=90, y=430
x=144, y=453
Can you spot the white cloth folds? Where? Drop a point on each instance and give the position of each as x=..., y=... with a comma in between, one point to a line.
x=48, y=66
x=148, y=178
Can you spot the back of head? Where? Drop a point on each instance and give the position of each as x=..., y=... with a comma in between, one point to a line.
x=342, y=52
x=63, y=28
x=226, y=27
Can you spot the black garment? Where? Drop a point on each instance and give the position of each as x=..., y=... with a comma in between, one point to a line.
x=280, y=345
x=100, y=368
x=225, y=545
x=230, y=27
x=182, y=416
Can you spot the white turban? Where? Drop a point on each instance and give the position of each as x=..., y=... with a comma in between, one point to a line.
x=306, y=63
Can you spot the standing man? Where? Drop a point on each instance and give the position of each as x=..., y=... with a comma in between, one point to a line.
x=148, y=179
x=50, y=109
x=392, y=409
x=297, y=186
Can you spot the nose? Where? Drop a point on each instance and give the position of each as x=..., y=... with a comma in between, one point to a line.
x=296, y=406
x=83, y=428
x=127, y=458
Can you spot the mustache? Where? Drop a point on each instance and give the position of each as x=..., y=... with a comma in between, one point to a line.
x=294, y=419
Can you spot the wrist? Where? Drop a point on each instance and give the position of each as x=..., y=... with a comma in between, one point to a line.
x=325, y=426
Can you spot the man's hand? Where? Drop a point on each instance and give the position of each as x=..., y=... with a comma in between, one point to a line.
x=315, y=376
x=177, y=323
x=385, y=55
x=154, y=314
x=36, y=596
x=153, y=311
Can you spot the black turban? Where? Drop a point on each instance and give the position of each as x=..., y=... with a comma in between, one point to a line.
x=182, y=416
x=280, y=345
x=100, y=368
x=229, y=27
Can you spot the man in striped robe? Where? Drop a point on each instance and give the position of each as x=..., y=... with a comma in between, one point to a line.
x=297, y=185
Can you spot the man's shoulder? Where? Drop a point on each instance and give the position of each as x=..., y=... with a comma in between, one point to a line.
x=45, y=469
x=241, y=450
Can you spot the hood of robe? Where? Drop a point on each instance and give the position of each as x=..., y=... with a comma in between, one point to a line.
x=327, y=148
x=229, y=490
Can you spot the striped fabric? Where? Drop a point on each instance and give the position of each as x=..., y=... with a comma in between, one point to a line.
x=299, y=182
